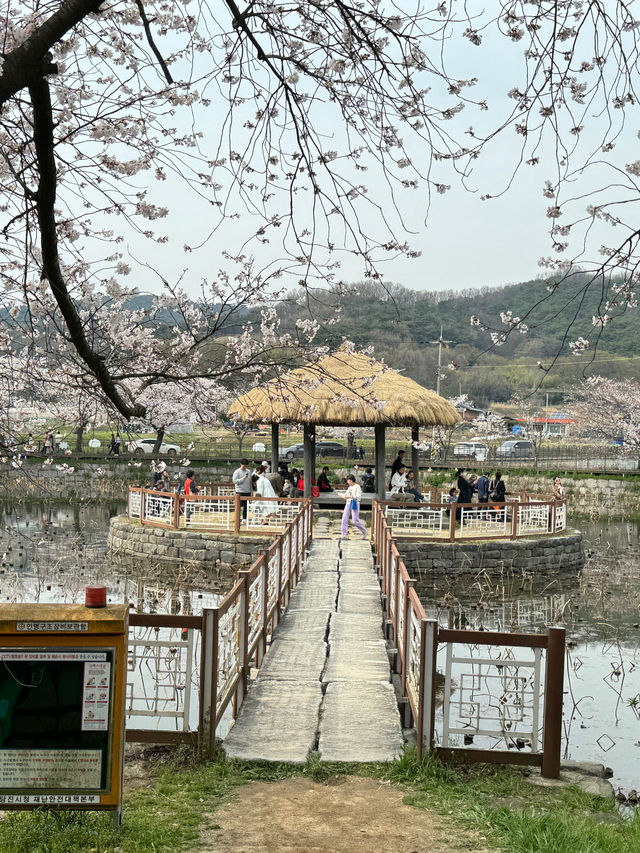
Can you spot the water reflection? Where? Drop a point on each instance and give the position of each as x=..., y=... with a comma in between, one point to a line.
x=600, y=607
x=51, y=552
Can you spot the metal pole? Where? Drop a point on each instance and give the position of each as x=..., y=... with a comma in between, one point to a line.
x=381, y=485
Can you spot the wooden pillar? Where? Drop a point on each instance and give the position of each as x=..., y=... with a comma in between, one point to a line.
x=275, y=447
x=381, y=474
x=309, y=434
x=415, y=463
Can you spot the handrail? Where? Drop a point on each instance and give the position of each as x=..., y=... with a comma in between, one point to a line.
x=234, y=634
x=415, y=639
x=511, y=519
x=233, y=513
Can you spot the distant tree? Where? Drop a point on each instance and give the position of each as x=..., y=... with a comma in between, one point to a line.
x=608, y=409
x=312, y=128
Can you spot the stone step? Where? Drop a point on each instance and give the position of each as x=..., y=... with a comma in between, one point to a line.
x=360, y=722
x=277, y=721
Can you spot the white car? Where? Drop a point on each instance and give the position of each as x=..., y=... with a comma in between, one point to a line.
x=146, y=445
x=475, y=449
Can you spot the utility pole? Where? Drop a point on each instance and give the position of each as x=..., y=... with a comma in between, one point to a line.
x=440, y=341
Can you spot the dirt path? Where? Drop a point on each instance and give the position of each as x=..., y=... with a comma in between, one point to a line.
x=342, y=814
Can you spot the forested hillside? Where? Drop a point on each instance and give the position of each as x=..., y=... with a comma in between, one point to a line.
x=403, y=326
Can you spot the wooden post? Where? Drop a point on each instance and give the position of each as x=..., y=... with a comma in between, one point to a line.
x=208, y=683
x=237, y=509
x=553, y=689
x=415, y=463
x=428, y=652
x=514, y=520
x=275, y=447
x=381, y=486
x=309, y=434
x=452, y=521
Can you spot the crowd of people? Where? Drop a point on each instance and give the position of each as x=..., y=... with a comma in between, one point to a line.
x=259, y=481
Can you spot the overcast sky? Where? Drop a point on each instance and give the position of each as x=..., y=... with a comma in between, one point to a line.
x=465, y=242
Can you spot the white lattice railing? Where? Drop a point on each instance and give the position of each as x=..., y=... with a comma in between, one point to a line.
x=184, y=670
x=521, y=515
x=158, y=508
x=163, y=674
x=408, y=518
x=500, y=702
x=212, y=512
x=206, y=513
x=480, y=521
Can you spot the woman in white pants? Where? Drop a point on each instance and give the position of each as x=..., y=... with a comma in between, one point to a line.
x=352, y=507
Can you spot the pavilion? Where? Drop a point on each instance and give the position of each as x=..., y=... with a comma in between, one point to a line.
x=344, y=389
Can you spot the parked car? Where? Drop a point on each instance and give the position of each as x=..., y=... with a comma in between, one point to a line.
x=474, y=449
x=519, y=449
x=145, y=445
x=323, y=448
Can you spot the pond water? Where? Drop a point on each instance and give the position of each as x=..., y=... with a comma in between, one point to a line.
x=51, y=552
x=601, y=612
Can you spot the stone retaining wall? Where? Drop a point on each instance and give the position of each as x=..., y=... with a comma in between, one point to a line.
x=539, y=555
x=217, y=555
x=595, y=495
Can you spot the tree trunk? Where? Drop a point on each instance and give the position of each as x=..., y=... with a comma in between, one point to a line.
x=159, y=440
x=79, y=434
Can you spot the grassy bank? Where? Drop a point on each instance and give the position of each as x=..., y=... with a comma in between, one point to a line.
x=485, y=807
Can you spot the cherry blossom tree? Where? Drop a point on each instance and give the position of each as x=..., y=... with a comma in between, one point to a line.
x=302, y=130
x=608, y=409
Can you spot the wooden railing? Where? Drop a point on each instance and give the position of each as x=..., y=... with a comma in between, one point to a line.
x=235, y=514
x=514, y=715
x=226, y=641
x=521, y=515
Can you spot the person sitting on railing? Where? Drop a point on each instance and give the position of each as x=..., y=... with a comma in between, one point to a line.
x=398, y=484
x=369, y=481
x=411, y=488
x=323, y=481
x=162, y=483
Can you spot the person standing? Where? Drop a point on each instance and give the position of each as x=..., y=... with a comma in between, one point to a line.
x=352, y=507
x=398, y=463
x=559, y=492
x=483, y=489
x=112, y=445
x=118, y=442
x=497, y=489
x=189, y=489
x=242, y=481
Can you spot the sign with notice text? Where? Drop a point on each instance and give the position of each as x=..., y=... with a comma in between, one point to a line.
x=62, y=684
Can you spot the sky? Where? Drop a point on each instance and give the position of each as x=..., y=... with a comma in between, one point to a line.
x=464, y=242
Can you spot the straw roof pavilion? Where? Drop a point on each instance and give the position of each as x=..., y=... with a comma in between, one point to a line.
x=344, y=389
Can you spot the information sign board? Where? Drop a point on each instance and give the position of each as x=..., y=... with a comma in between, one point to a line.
x=61, y=706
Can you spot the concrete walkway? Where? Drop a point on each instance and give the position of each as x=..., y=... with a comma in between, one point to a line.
x=325, y=683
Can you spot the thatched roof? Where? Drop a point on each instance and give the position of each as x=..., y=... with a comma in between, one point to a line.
x=344, y=389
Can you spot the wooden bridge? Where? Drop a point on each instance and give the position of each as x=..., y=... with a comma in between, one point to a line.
x=301, y=651
x=325, y=683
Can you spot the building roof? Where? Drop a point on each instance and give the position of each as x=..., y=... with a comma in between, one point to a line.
x=344, y=389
